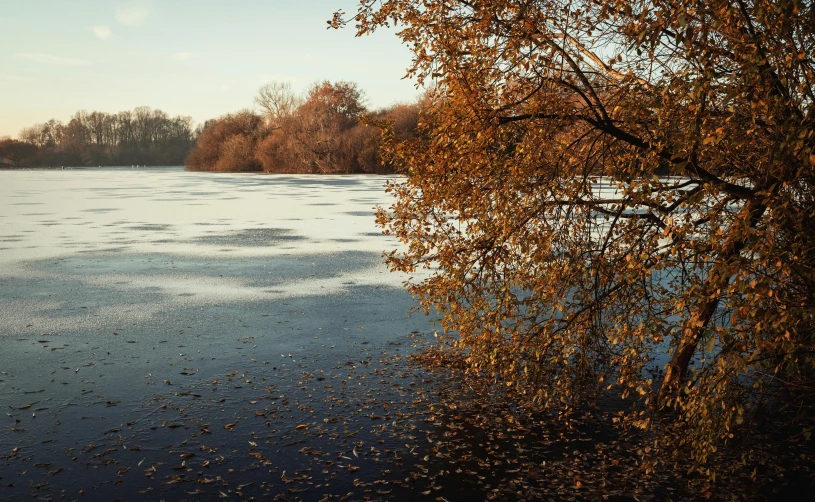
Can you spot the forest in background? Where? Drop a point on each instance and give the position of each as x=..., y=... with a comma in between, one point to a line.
x=143, y=136
x=327, y=130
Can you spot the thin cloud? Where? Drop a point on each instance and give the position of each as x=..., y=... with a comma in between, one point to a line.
x=102, y=32
x=132, y=14
x=13, y=78
x=183, y=56
x=259, y=80
x=40, y=57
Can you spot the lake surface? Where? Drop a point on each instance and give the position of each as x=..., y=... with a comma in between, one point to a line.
x=200, y=336
x=196, y=335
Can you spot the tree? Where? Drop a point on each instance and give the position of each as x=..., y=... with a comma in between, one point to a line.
x=17, y=151
x=278, y=102
x=228, y=144
x=143, y=136
x=326, y=114
x=328, y=130
x=319, y=133
x=601, y=186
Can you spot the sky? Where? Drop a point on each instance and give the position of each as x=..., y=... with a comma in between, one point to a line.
x=200, y=58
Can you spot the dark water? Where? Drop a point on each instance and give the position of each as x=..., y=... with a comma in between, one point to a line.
x=179, y=335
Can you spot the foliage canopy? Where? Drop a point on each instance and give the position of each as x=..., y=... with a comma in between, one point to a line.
x=321, y=131
x=605, y=185
x=139, y=136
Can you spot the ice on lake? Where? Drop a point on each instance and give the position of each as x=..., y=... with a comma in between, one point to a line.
x=131, y=300
x=163, y=238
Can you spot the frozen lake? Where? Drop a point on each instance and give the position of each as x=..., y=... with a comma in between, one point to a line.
x=165, y=330
x=198, y=336
x=49, y=216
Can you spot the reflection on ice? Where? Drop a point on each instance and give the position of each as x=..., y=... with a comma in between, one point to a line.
x=130, y=244
x=89, y=206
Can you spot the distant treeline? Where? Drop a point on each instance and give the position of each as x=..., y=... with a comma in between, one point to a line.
x=143, y=136
x=320, y=132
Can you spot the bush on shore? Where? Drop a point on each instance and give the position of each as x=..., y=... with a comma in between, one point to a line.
x=329, y=130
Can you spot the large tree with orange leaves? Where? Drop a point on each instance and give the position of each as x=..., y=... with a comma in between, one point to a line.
x=605, y=185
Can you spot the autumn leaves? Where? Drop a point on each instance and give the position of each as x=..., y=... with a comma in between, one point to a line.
x=697, y=118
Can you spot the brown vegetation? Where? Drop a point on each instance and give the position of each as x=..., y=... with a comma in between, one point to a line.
x=143, y=136
x=15, y=152
x=227, y=144
x=552, y=287
x=329, y=130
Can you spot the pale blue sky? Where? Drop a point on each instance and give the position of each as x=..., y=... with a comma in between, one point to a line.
x=201, y=58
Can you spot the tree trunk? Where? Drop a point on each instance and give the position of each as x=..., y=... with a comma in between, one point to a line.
x=676, y=371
